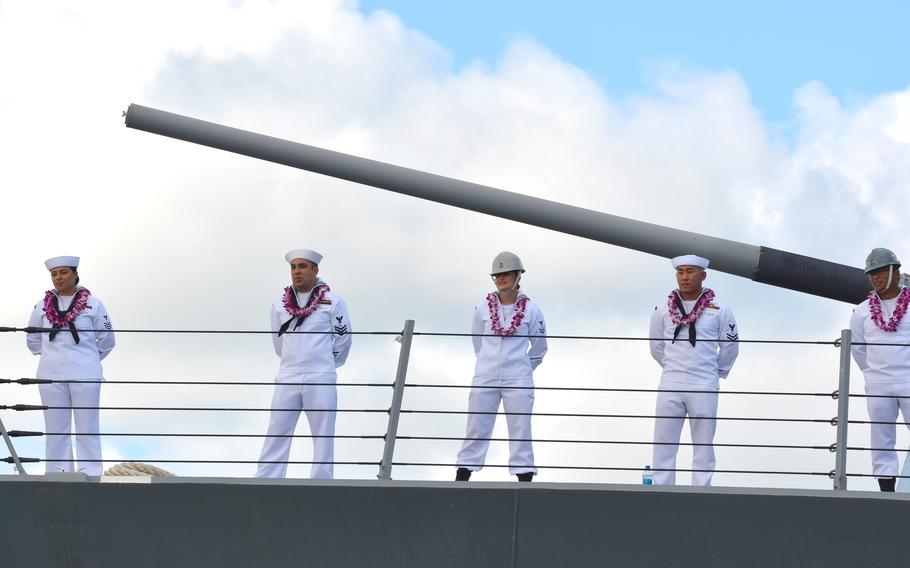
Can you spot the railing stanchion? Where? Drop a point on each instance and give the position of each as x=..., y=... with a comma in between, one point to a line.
x=385, y=466
x=12, y=450
x=843, y=403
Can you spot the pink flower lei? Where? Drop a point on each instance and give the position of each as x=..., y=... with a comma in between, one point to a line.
x=493, y=306
x=700, y=305
x=875, y=308
x=80, y=302
x=317, y=296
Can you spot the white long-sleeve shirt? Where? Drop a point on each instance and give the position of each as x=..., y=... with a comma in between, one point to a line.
x=880, y=363
x=508, y=357
x=707, y=360
x=63, y=358
x=312, y=352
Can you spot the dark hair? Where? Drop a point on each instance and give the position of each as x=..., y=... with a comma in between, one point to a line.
x=310, y=262
x=76, y=272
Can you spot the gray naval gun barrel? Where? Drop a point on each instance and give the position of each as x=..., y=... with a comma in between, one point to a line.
x=759, y=263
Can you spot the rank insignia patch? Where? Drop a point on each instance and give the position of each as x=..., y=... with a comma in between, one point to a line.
x=340, y=329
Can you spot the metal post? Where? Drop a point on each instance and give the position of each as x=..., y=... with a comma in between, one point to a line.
x=843, y=402
x=12, y=450
x=385, y=466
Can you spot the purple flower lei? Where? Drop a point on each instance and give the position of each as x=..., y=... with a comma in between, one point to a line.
x=697, y=310
x=492, y=305
x=318, y=294
x=80, y=302
x=875, y=308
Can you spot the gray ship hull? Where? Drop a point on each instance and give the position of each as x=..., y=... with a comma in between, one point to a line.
x=230, y=522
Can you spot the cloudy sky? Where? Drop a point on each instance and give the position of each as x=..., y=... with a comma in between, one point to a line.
x=780, y=126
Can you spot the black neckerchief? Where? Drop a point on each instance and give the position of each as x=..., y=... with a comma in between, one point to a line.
x=285, y=325
x=682, y=312
x=61, y=314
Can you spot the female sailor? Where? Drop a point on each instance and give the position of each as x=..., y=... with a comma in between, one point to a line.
x=510, y=341
x=77, y=334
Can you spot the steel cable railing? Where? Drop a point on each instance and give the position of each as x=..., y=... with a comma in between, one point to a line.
x=163, y=382
x=829, y=448
x=423, y=411
x=195, y=331
x=827, y=474
x=585, y=390
x=616, y=442
x=35, y=381
x=197, y=409
x=200, y=461
x=832, y=343
x=622, y=390
x=32, y=433
x=633, y=416
x=23, y=407
x=453, y=438
x=621, y=468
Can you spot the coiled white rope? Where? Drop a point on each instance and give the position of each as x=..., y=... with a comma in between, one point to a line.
x=138, y=469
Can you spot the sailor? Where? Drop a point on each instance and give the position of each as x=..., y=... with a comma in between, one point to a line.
x=509, y=336
x=685, y=331
x=880, y=319
x=80, y=335
x=311, y=335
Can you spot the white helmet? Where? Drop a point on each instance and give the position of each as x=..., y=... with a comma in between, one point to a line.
x=506, y=262
x=880, y=258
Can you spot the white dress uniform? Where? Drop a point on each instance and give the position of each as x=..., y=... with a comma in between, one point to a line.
x=688, y=367
x=64, y=359
x=887, y=374
x=307, y=358
x=504, y=362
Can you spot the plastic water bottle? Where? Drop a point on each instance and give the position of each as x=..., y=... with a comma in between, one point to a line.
x=647, y=476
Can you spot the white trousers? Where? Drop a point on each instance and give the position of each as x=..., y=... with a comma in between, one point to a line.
x=88, y=447
x=697, y=406
x=884, y=436
x=479, y=428
x=320, y=402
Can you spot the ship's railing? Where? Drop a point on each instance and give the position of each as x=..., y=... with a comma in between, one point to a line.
x=383, y=456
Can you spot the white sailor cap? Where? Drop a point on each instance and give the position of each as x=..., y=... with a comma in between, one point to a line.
x=690, y=260
x=305, y=254
x=58, y=261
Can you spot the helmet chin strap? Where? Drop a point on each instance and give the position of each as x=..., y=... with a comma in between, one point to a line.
x=890, y=276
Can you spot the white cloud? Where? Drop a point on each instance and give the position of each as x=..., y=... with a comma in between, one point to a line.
x=849, y=169
x=175, y=236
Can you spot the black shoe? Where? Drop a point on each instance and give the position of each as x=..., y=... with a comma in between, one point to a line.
x=462, y=474
x=525, y=476
x=887, y=484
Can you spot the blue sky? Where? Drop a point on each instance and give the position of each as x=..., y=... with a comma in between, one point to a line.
x=856, y=49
